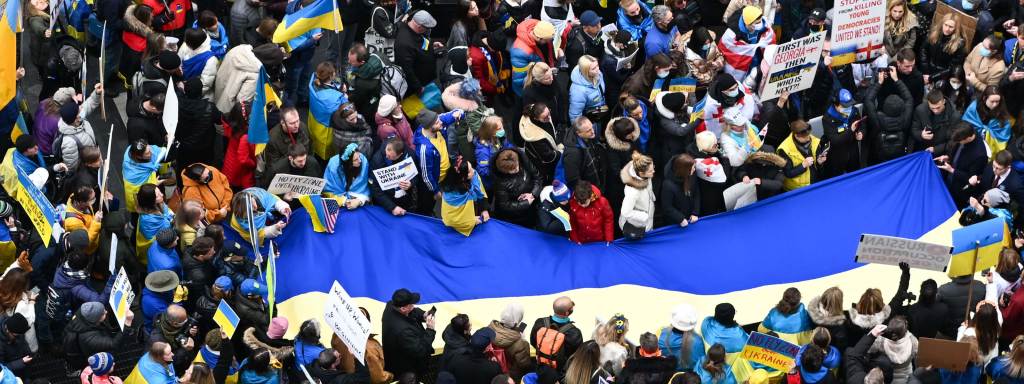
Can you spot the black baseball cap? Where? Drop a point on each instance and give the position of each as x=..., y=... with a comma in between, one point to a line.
x=403, y=297
x=818, y=15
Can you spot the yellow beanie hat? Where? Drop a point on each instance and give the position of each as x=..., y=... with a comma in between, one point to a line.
x=750, y=14
x=543, y=30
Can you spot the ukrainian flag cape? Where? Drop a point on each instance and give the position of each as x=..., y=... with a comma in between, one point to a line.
x=996, y=133
x=323, y=101
x=373, y=253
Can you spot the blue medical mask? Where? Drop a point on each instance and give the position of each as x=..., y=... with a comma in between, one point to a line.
x=500, y=134
x=706, y=48
x=967, y=5
x=663, y=74
x=732, y=93
x=984, y=52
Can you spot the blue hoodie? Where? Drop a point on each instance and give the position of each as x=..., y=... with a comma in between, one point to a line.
x=831, y=361
x=584, y=95
x=161, y=258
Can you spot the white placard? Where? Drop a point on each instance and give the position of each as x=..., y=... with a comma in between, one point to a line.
x=347, y=321
x=113, y=253
x=121, y=297
x=791, y=66
x=170, y=116
x=303, y=185
x=889, y=250
x=739, y=195
x=858, y=27
x=388, y=177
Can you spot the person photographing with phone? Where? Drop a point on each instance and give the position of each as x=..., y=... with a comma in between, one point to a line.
x=965, y=157
x=407, y=334
x=843, y=129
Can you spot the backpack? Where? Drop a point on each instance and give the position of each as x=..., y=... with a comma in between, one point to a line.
x=55, y=148
x=392, y=80
x=549, y=343
x=138, y=82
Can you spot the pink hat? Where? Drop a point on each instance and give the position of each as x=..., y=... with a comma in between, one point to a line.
x=278, y=326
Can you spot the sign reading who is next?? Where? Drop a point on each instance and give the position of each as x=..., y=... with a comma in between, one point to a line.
x=791, y=66
x=347, y=321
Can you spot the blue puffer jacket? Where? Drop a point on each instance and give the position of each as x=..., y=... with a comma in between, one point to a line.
x=670, y=342
x=161, y=258
x=999, y=368
x=584, y=95
x=635, y=30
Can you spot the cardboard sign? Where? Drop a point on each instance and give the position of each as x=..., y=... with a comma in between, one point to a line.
x=389, y=177
x=968, y=24
x=303, y=185
x=121, y=297
x=987, y=236
x=344, y=317
x=945, y=354
x=889, y=250
x=770, y=351
x=858, y=28
x=791, y=66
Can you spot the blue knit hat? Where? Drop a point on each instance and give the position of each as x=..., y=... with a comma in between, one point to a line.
x=559, y=192
x=101, y=363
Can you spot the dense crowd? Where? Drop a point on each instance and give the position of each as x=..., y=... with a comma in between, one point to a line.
x=589, y=120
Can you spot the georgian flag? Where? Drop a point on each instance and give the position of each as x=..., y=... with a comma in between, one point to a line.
x=710, y=169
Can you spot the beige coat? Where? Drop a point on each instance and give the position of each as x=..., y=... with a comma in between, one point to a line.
x=236, y=78
x=987, y=70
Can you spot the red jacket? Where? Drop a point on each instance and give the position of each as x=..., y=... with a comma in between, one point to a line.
x=178, y=7
x=240, y=160
x=492, y=74
x=1013, y=316
x=592, y=223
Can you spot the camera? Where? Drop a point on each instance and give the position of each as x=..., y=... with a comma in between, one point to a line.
x=183, y=337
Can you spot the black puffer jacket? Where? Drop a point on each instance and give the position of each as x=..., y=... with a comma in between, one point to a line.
x=145, y=125
x=199, y=274
x=509, y=186
x=251, y=312
x=196, y=132
x=892, y=125
x=83, y=339
x=940, y=125
x=767, y=166
x=407, y=344
x=675, y=204
x=583, y=160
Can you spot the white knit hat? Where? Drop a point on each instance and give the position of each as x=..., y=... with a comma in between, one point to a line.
x=684, y=317
x=386, y=105
x=705, y=140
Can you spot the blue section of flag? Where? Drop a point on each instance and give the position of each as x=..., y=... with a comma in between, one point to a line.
x=377, y=253
x=259, y=132
x=988, y=232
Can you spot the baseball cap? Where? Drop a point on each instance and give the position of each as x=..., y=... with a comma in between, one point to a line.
x=818, y=15
x=403, y=297
x=253, y=287
x=846, y=98
x=590, y=19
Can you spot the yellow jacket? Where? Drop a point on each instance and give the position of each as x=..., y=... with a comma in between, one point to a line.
x=75, y=220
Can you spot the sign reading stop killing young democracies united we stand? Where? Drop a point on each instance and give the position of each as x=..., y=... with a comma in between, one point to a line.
x=858, y=27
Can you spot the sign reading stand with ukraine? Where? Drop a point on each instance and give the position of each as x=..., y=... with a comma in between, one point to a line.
x=770, y=351
x=121, y=297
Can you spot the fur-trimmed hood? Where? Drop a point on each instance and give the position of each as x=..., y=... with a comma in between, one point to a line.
x=630, y=178
x=253, y=342
x=900, y=351
x=766, y=158
x=869, y=321
x=818, y=314
x=134, y=25
x=533, y=133
x=614, y=142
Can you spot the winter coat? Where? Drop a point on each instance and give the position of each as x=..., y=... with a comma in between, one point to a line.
x=987, y=70
x=556, y=98
x=386, y=198
x=472, y=367
x=251, y=312
x=346, y=133
x=209, y=70
x=592, y=223
x=892, y=122
x=836, y=325
x=200, y=273
x=619, y=153
x=859, y=324
x=388, y=127
x=83, y=339
x=136, y=35
x=766, y=166
x=240, y=162
x=160, y=259
x=541, y=147
x=676, y=204
x=245, y=17
x=901, y=353
x=525, y=51
x=673, y=129
x=940, y=125
x=145, y=125
x=44, y=127
x=583, y=159
x=936, y=61
x=37, y=27
x=12, y=350
x=843, y=155
x=638, y=200
x=584, y=95
x=705, y=68
x=508, y=187
x=906, y=37
x=711, y=199
x=735, y=151
x=572, y=342
x=517, y=349
x=657, y=41
x=197, y=133
x=614, y=77
x=76, y=138
x=277, y=145
x=407, y=344
x=954, y=294
x=236, y=76
x=214, y=195
x=419, y=64
x=579, y=43
x=647, y=370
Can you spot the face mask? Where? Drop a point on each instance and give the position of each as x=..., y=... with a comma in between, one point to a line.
x=955, y=86
x=663, y=74
x=500, y=134
x=984, y=52
x=706, y=47
x=732, y=93
x=966, y=5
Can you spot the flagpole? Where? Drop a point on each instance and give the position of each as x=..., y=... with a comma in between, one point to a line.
x=337, y=36
x=106, y=168
x=103, y=64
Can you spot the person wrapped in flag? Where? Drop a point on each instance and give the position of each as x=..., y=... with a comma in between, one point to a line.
x=199, y=59
x=740, y=140
x=725, y=93
x=154, y=216
x=463, y=200
x=744, y=42
x=141, y=163
x=154, y=367
x=989, y=117
x=634, y=18
x=325, y=96
x=213, y=28
x=347, y=175
x=268, y=220
x=26, y=158
x=553, y=215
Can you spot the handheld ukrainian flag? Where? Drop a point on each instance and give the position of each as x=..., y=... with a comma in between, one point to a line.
x=323, y=211
x=698, y=110
x=320, y=14
x=20, y=127
x=259, y=132
x=78, y=19
x=226, y=318
x=987, y=237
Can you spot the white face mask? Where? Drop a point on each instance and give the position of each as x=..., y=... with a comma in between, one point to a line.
x=732, y=93
x=955, y=86
x=663, y=74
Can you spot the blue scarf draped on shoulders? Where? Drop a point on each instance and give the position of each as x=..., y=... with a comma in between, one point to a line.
x=336, y=184
x=194, y=65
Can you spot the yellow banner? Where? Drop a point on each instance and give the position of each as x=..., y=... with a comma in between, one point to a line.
x=31, y=199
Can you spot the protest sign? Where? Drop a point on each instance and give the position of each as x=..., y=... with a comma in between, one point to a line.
x=946, y=354
x=303, y=185
x=858, y=27
x=112, y=260
x=889, y=250
x=968, y=24
x=388, y=177
x=977, y=246
x=770, y=351
x=121, y=297
x=791, y=66
x=739, y=195
x=347, y=321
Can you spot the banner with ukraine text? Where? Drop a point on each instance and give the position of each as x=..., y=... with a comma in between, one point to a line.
x=30, y=198
x=805, y=238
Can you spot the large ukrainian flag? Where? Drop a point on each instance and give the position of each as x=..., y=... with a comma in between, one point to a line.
x=10, y=26
x=320, y=14
x=805, y=238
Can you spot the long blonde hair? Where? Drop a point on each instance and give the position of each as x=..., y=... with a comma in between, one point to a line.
x=956, y=40
x=534, y=71
x=1016, y=356
x=586, y=64
x=904, y=24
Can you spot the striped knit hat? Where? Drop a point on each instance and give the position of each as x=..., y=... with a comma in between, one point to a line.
x=101, y=363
